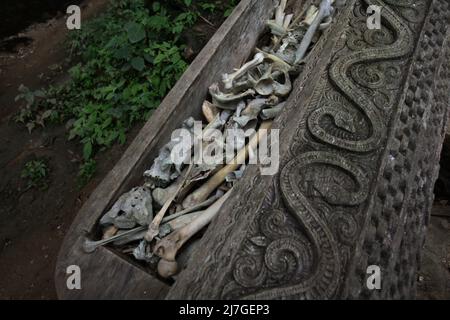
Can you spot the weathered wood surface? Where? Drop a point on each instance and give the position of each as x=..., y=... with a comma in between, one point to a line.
x=361, y=134
x=106, y=275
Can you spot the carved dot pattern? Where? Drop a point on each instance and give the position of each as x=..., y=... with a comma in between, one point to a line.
x=404, y=196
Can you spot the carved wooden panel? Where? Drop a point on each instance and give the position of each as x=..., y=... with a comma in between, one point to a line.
x=361, y=134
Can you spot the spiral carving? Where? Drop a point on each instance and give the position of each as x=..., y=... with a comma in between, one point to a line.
x=249, y=272
x=339, y=76
x=346, y=227
x=312, y=267
x=287, y=256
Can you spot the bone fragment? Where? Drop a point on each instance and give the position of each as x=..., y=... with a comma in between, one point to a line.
x=90, y=246
x=153, y=228
x=109, y=232
x=311, y=14
x=202, y=193
x=278, y=63
x=273, y=112
x=160, y=195
x=131, y=209
x=202, y=205
x=210, y=111
x=229, y=78
x=168, y=247
x=325, y=10
x=227, y=100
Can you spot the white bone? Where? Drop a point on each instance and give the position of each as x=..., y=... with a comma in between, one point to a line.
x=168, y=247
x=227, y=101
x=210, y=111
x=325, y=10
x=215, y=181
x=153, y=228
x=229, y=78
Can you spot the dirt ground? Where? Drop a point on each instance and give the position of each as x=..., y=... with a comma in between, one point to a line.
x=33, y=222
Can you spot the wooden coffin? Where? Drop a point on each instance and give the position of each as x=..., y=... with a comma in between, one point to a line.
x=361, y=135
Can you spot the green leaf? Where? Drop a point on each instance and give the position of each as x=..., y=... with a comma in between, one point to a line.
x=138, y=63
x=227, y=12
x=149, y=58
x=187, y=2
x=122, y=53
x=87, y=150
x=158, y=22
x=39, y=94
x=135, y=32
x=156, y=6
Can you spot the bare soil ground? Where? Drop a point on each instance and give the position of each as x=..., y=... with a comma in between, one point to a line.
x=434, y=276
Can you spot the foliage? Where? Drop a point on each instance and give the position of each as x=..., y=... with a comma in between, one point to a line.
x=36, y=173
x=124, y=62
x=29, y=114
x=86, y=172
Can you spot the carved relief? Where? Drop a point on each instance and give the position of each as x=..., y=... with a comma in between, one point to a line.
x=324, y=190
x=346, y=180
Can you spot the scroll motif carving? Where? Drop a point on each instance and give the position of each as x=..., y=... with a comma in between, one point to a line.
x=402, y=46
x=323, y=190
x=349, y=173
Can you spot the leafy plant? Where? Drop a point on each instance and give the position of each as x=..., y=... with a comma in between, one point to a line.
x=229, y=7
x=30, y=114
x=36, y=173
x=124, y=62
x=86, y=172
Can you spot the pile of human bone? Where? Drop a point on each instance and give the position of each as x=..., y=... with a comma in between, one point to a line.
x=161, y=221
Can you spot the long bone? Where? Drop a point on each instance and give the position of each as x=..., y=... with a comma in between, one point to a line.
x=227, y=100
x=279, y=25
x=168, y=247
x=325, y=10
x=199, y=206
x=153, y=228
x=279, y=12
x=90, y=246
x=229, y=78
x=215, y=181
x=311, y=14
x=278, y=63
x=166, y=228
x=273, y=112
